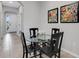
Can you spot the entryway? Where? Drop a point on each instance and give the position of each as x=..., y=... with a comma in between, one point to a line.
x=11, y=17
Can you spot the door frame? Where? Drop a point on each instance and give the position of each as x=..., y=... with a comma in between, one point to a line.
x=21, y=8
x=21, y=19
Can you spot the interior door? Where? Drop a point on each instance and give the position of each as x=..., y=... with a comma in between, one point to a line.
x=11, y=22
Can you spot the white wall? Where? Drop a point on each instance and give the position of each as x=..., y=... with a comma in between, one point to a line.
x=2, y=25
x=71, y=30
x=31, y=16
x=0, y=19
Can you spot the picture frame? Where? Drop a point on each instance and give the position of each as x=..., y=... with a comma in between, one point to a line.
x=69, y=13
x=53, y=15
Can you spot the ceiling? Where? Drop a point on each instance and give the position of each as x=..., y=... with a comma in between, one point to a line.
x=13, y=4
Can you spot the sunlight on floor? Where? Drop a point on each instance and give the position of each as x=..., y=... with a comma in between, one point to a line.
x=7, y=42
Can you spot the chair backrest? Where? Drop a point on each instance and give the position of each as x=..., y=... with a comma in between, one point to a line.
x=23, y=41
x=33, y=32
x=55, y=30
x=56, y=46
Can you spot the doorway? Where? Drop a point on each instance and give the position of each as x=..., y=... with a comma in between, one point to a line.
x=12, y=14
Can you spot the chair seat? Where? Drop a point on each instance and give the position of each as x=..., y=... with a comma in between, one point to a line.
x=48, y=51
x=31, y=49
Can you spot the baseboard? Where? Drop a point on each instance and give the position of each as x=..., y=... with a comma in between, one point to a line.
x=71, y=53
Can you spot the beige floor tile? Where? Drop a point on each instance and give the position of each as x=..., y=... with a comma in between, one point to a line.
x=11, y=47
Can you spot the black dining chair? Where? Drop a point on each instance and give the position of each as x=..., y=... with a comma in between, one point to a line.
x=26, y=48
x=53, y=31
x=53, y=49
x=33, y=34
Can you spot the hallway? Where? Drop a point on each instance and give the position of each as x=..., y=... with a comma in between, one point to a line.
x=10, y=46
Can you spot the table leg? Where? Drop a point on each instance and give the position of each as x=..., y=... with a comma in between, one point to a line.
x=35, y=49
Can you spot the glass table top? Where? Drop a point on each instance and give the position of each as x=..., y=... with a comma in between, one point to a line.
x=40, y=38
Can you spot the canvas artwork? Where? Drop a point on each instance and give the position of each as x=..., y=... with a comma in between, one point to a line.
x=69, y=13
x=53, y=16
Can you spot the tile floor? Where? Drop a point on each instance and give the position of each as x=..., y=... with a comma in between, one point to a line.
x=11, y=47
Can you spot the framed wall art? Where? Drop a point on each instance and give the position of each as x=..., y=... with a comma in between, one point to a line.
x=53, y=15
x=69, y=13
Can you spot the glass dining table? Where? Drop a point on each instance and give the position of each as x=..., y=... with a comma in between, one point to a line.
x=40, y=38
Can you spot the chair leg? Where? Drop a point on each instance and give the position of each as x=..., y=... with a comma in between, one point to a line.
x=23, y=54
x=40, y=54
x=26, y=55
x=59, y=55
x=50, y=56
x=55, y=55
